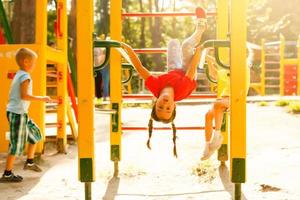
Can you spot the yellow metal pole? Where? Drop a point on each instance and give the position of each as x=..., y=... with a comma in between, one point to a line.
x=85, y=24
x=116, y=87
x=263, y=69
x=62, y=93
x=298, y=74
x=222, y=34
x=238, y=94
x=37, y=109
x=281, y=71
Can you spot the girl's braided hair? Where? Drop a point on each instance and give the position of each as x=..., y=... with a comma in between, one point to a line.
x=150, y=127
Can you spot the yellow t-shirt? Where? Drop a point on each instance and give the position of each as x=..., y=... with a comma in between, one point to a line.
x=224, y=82
x=223, y=88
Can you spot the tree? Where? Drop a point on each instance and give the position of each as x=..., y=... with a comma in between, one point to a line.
x=102, y=17
x=23, y=21
x=142, y=36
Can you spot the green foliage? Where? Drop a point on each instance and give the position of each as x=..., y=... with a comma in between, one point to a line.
x=294, y=107
x=266, y=19
x=282, y=103
x=263, y=103
x=138, y=105
x=51, y=19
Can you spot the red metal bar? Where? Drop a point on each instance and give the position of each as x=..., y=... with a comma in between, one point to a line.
x=165, y=14
x=151, y=50
x=2, y=36
x=57, y=29
x=150, y=96
x=72, y=94
x=132, y=128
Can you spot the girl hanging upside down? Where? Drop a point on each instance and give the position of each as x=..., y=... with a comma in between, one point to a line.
x=180, y=80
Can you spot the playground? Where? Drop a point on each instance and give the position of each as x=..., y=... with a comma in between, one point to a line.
x=215, y=91
x=273, y=160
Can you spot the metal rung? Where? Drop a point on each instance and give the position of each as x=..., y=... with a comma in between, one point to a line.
x=272, y=54
x=272, y=86
x=272, y=62
x=105, y=111
x=150, y=50
x=272, y=70
x=272, y=78
x=51, y=85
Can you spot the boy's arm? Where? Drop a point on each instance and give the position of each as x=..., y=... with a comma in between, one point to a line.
x=27, y=97
x=143, y=72
x=191, y=71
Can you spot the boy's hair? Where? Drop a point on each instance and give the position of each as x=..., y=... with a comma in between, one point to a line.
x=150, y=127
x=24, y=53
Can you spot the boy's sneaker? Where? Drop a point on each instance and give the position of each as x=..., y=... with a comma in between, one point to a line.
x=216, y=141
x=11, y=178
x=33, y=167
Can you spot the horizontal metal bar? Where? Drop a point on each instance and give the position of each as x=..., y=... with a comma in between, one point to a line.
x=150, y=96
x=165, y=14
x=106, y=111
x=150, y=50
x=107, y=43
x=132, y=128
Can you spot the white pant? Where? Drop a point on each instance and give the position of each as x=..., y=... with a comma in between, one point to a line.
x=180, y=58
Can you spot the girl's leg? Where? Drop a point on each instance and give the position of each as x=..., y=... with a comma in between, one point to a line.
x=209, y=124
x=208, y=133
x=191, y=42
x=219, y=108
x=214, y=143
x=173, y=55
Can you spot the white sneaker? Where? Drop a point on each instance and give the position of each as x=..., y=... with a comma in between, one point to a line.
x=206, y=153
x=216, y=141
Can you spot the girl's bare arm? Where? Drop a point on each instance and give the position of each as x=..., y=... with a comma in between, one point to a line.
x=143, y=72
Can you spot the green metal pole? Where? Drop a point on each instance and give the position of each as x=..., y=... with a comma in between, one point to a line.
x=88, y=190
x=5, y=24
x=237, y=191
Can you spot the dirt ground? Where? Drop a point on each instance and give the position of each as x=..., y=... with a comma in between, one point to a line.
x=273, y=162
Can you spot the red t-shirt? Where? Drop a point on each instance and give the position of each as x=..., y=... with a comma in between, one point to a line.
x=183, y=86
x=2, y=38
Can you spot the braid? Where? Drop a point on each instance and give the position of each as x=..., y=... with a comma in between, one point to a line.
x=150, y=128
x=174, y=139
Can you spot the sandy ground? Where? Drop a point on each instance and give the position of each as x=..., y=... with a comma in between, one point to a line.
x=273, y=159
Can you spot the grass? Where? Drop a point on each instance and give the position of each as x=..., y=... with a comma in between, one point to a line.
x=263, y=103
x=282, y=103
x=294, y=107
x=205, y=171
x=140, y=105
